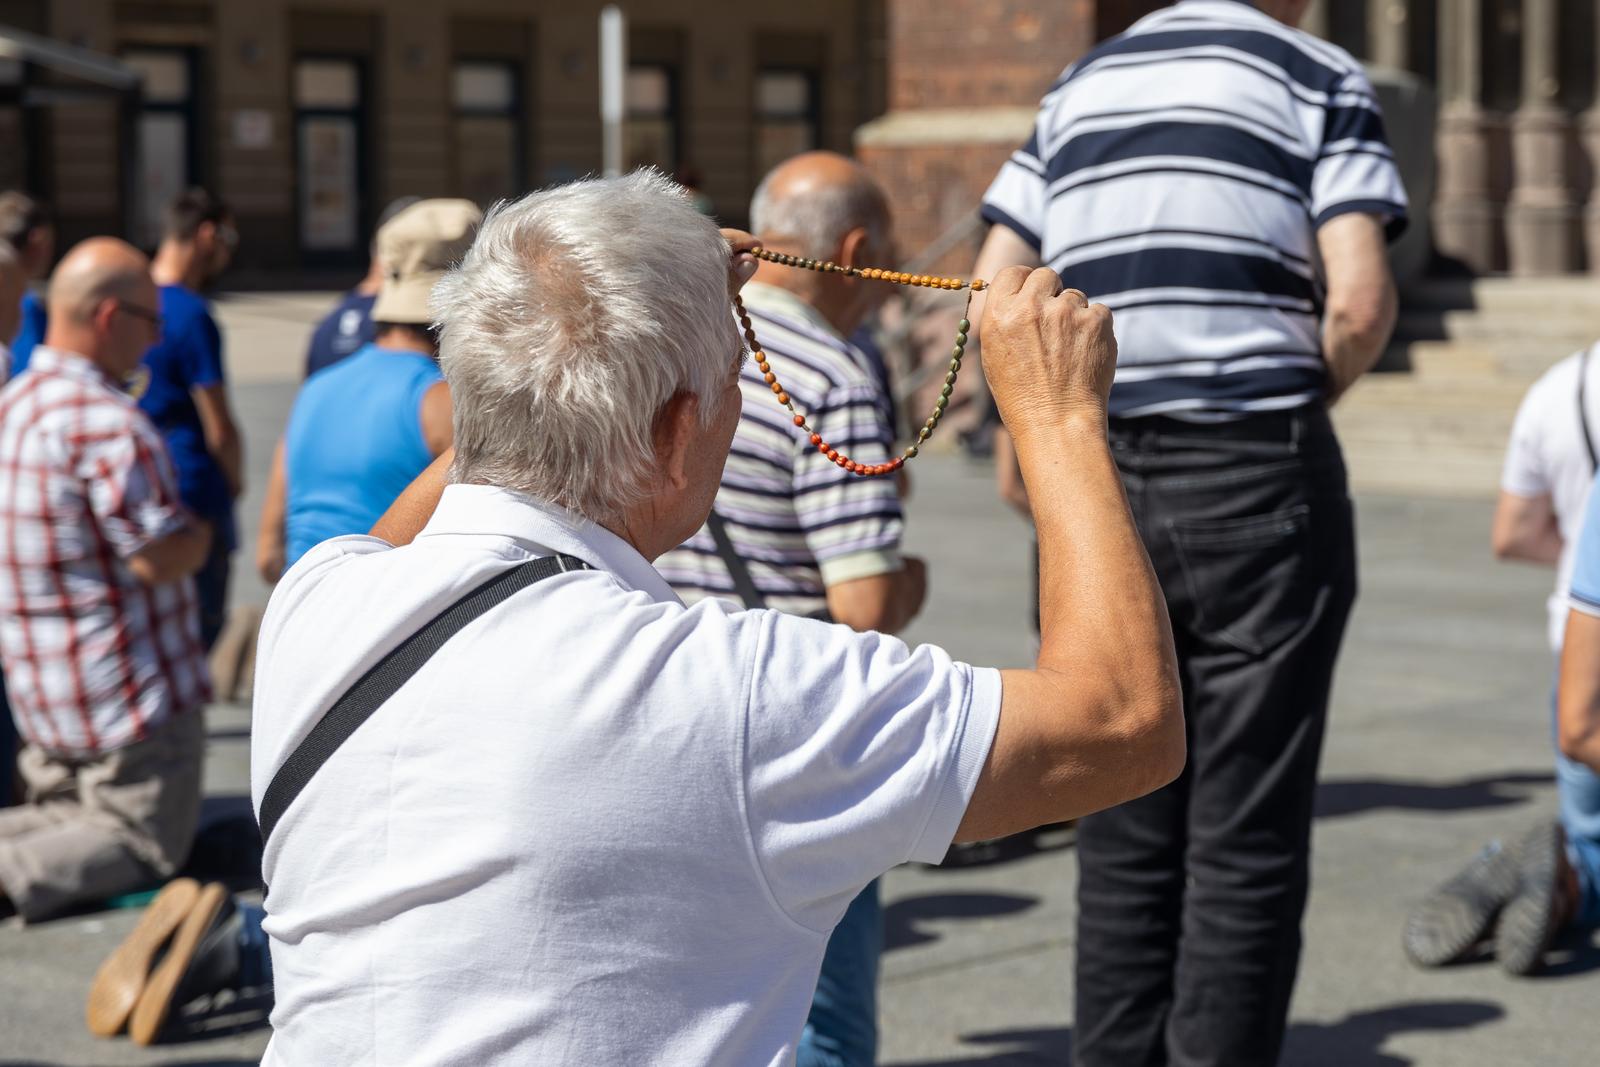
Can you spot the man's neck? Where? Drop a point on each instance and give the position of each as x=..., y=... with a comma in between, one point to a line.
x=177, y=263
x=72, y=345
x=402, y=341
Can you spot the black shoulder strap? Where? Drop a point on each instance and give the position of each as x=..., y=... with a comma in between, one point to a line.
x=738, y=570
x=1583, y=409
x=375, y=687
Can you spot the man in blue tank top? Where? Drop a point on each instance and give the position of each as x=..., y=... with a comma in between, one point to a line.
x=362, y=429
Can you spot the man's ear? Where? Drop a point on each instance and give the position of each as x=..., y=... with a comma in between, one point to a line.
x=677, y=432
x=104, y=313
x=852, y=249
x=205, y=235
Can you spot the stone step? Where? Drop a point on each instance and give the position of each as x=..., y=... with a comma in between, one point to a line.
x=1505, y=295
x=1437, y=471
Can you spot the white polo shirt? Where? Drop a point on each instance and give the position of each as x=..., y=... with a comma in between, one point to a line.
x=598, y=827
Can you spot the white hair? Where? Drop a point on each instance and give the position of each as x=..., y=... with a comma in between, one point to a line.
x=575, y=316
x=818, y=216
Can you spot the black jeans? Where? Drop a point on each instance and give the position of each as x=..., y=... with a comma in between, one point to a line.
x=1190, y=899
x=211, y=589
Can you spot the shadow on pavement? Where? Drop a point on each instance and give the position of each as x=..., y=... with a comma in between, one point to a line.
x=1357, y=1040
x=1355, y=796
x=1050, y=838
x=901, y=919
x=227, y=846
x=1052, y=1046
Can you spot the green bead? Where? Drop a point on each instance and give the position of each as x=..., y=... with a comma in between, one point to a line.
x=943, y=400
x=911, y=453
x=955, y=366
x=950, y=379
x=944, y=394
x=923, y=434
x=963, y=326
x=961, y=339
x=957, y=352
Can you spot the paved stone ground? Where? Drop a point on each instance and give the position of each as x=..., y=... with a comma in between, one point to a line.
x=1439, y=741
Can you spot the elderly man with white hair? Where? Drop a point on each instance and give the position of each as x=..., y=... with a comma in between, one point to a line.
x=521, y=805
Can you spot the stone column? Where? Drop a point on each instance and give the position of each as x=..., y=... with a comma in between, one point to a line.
x=1465, y=219
x=1388, y=31
x=1316, y=18
x=1590, y=132
x=1540, y=231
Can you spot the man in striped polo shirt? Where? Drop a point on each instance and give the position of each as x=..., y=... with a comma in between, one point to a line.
x=792, y=531
x=1221, y=181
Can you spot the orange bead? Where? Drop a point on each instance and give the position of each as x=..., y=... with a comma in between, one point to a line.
x=772, y=379
x=979, y=285
x=799, y=420
x=816, y=438
x=776, y=388
x=831, y=452
x=783, y=398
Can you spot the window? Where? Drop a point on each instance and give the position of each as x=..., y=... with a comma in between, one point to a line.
x=652, y=128
x=328, y=143
x=786, y=116
x=166, y=152
x=488, y=143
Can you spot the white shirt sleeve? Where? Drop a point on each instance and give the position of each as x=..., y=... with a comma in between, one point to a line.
x=1525, y=472
x=860, y=754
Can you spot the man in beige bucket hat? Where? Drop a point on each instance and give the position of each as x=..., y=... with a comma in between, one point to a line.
x=363, y=428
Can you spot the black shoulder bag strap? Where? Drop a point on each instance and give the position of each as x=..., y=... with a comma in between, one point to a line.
x=738, y=570
x=375, y=687
x=1583, y=409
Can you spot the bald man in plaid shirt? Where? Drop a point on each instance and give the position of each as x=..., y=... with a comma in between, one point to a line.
x=99, y=630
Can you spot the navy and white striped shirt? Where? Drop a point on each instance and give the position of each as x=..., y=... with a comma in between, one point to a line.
x=1178, y=174
x=799, y=522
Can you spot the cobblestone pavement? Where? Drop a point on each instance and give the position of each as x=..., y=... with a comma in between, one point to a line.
x=1439, y=741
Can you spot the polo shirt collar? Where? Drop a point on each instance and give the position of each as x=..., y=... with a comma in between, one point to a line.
x=46, y=360
x=758, y=296
x=548, y=530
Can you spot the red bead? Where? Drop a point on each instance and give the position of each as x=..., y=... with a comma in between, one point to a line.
x=816, y=438
x=831, y=453
x=799, y=420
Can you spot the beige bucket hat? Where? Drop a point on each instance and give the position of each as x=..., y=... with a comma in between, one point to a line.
x=416, y=247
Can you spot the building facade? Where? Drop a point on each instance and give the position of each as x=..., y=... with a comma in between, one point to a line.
x=1494, y=100
x=307, y=117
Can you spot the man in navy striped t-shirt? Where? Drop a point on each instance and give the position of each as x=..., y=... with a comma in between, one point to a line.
x=1221, y=181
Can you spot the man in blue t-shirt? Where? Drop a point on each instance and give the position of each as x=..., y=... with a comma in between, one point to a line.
x=183, y=387
x=26, y=225
x=348, y=327
x=364, y=428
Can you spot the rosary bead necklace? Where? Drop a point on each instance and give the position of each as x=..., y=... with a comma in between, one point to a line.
x=977, y=285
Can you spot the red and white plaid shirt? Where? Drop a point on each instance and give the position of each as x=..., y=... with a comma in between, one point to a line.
x=94, y=659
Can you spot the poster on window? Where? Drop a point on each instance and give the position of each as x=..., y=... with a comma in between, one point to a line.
x=329, y=203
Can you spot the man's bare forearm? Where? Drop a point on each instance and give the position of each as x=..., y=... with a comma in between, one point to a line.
x=1102, y=614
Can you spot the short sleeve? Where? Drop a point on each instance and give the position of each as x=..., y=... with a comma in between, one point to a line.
x=860, y=754
x=202, y=353
x=852, y=525
x=1016, y=198
x=131, y=488
x=1355, y=169
x=1585, y=589
x=1524, y=473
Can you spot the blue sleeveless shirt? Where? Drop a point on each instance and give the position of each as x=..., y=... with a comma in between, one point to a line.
x=354, y=443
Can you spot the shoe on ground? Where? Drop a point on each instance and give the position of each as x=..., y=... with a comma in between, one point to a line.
x=1457, y=916
x=197, y=961
x=121, y=978
x=1534, y=917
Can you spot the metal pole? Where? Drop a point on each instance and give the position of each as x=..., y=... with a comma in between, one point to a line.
x=613, y=77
